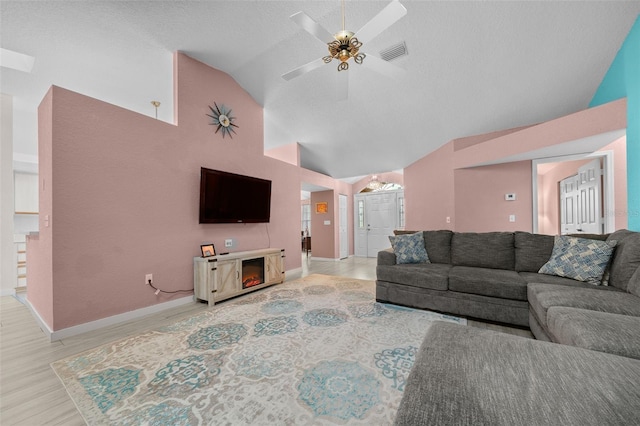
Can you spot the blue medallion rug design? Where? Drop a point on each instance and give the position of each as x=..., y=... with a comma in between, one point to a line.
x=316, y=351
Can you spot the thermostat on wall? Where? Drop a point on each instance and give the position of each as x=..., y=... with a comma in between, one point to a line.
x=510, y=197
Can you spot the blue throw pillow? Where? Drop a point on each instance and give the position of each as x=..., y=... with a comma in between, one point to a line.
x=579, y=258
x=409, y=248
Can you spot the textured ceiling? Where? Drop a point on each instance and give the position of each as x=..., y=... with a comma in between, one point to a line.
x=473, y=67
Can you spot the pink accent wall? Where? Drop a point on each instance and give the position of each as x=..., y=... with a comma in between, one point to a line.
x=593, y=121
x=449, y=183
x=429, y=191
x=123, y=197
x=287, y=153
x=468, y=141
x=323, y=236
x=479, y=198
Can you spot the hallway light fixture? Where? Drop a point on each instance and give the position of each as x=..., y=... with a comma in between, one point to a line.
x=374, y=184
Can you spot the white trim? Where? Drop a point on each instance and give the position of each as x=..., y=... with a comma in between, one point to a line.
x=43, y=325
x=325, y=259
x=608, y=187
x=8, y=292
x=105, y=322
x=293, y=272
x=609, y=192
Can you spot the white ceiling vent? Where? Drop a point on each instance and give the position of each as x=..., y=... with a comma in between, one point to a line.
x=394, y=51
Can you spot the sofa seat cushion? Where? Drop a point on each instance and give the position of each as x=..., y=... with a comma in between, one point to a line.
x=469, y=376
x=599, y=331
x=488, y=282
x=543, y=296
x=434, y=276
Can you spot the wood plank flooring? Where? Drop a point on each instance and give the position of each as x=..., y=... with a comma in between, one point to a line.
x=31, y=393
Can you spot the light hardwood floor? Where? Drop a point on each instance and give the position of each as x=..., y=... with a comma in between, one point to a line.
x=32, y=394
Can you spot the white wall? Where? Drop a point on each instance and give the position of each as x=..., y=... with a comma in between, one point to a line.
x=8, y=266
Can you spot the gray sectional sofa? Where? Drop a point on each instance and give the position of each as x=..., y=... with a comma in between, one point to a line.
x=584, y=367
x=470, y=376
x=494, y=276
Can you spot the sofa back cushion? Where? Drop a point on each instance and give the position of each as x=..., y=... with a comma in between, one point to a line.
x=437, y=244
x=626, y=258
x=532, y=251
x=634, y=283
x=484, y=250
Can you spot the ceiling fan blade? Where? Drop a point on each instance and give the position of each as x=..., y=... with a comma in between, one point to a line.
x=312, y=27
x=383, y=67
x=297, y=72
x=383, y=20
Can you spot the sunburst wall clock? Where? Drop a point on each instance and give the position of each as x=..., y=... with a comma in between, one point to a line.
x=221, y=117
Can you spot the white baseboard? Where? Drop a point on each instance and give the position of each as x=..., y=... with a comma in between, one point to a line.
x=324, y=259
x=293, y=271
x=105, y=322
x=7, y=292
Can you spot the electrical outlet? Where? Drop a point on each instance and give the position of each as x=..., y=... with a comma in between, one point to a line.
x=228, y=243
x=148, y=279
x=512, y=218
x=448, y=219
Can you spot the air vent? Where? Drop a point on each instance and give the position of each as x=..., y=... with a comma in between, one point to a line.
x=394, y=52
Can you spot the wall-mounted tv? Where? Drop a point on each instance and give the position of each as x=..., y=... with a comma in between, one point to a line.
x=231, y=198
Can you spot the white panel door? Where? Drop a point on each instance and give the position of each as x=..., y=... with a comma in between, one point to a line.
x=343, y=233
x=589, y=197
x=381, y=213
x=569, y=205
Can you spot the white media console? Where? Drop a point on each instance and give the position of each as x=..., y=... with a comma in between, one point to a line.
x=221, y=277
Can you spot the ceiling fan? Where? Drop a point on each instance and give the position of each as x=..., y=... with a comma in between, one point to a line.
x=345, y=45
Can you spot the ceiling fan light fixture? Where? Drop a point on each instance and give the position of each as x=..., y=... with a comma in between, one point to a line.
x=344, y=47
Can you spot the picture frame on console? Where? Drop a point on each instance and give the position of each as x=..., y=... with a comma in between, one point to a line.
x=208, y=250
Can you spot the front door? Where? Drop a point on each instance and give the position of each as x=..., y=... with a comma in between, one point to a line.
x=381, y=213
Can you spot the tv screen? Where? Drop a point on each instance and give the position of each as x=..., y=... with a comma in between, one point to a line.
x=231, y=198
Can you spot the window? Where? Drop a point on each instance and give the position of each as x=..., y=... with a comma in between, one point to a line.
x=306, y=219
x=361, y=214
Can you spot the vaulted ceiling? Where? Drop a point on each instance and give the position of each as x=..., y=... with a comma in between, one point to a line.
x=472, y=67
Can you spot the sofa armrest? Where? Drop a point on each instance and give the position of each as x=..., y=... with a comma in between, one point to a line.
x=386, y=257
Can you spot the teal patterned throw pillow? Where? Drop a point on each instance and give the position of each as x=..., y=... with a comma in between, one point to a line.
x=579, y=258
x=409, y=248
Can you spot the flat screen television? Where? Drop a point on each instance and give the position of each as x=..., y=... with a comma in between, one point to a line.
x=231, y=198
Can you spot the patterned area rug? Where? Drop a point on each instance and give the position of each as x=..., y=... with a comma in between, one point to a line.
x=318, y=350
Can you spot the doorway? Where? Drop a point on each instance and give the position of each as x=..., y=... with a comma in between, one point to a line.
x=581, y=198
x=377, y=214
x=580, y=201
